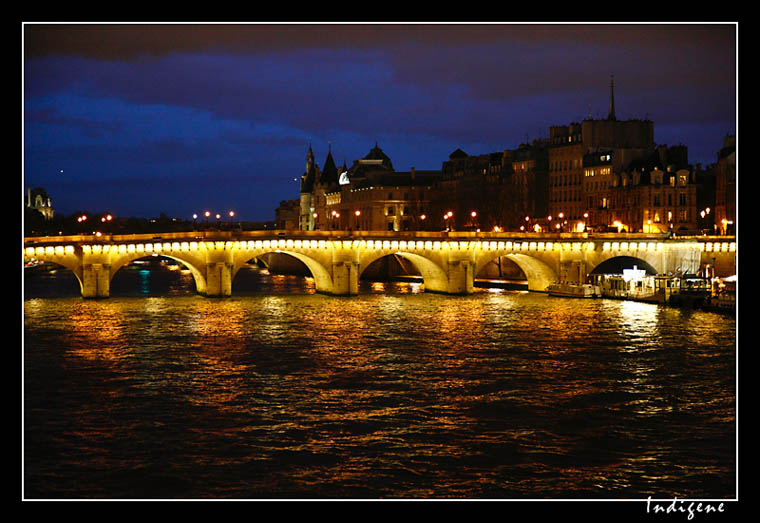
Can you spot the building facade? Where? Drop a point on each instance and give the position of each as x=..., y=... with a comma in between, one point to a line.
x=583, y=158
x=39, y=200
x=725, y=187
x=599, y=174
x=370, y=195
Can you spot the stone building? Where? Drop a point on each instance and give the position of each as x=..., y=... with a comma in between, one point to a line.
x=606, y=145
x=530, y=181
x=655, y=193
x=474, y=192
x=39, y=200
x=370, y=195
x=725, y=187
x=287, y=215
x=598, y=174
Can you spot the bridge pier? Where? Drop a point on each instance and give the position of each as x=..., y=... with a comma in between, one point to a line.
x=218, y=279
x=573, y=271
x=345, y=278
x=461, y=276
x=96, y=280
x=345, y=273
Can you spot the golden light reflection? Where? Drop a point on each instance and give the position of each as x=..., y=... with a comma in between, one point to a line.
x=99, y=332
x=217, y=376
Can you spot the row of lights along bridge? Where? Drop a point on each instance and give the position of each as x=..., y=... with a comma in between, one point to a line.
x=549, y=224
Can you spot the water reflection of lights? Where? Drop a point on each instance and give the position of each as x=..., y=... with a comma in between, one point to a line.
x=98, y=332
x=392, y=287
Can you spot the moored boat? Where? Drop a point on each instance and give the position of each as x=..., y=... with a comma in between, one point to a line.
x=723, y=297
x=573, y=290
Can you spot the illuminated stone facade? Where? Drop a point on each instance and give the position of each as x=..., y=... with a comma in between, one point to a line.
x=597, y=174
x=370, y=195
x=39, y=200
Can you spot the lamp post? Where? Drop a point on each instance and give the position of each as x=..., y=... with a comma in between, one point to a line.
x=473, y=215
x=446, y=220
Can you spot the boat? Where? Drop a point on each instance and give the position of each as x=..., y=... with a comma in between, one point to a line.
x=723, y=296
x=573, y=290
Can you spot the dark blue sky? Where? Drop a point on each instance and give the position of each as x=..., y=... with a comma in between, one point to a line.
x=140, y=119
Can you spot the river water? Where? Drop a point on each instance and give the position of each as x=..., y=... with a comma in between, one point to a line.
x=279, y=392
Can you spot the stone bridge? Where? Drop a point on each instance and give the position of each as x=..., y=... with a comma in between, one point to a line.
x=447, y=261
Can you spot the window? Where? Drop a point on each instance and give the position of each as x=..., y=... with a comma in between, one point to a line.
x=682, y=199
x=391, y=211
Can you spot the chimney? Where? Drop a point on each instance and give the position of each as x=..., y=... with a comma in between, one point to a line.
x=412, y=173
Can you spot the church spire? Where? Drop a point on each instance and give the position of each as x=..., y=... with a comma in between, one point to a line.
x=612, y=98
x=309, y=158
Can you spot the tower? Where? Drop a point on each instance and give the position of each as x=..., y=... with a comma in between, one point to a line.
x=306, y=211
x=611, y=116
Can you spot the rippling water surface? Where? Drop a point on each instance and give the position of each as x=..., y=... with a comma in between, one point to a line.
x=278, y=392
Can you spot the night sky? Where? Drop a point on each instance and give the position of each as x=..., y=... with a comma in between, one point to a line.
x=141, y=119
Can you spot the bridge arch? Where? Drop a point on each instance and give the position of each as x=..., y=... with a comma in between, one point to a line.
x=433, y=275
x=323, y=280
x=616, y=264
x=51, y=266
x=191, y=264
x=538, y=272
